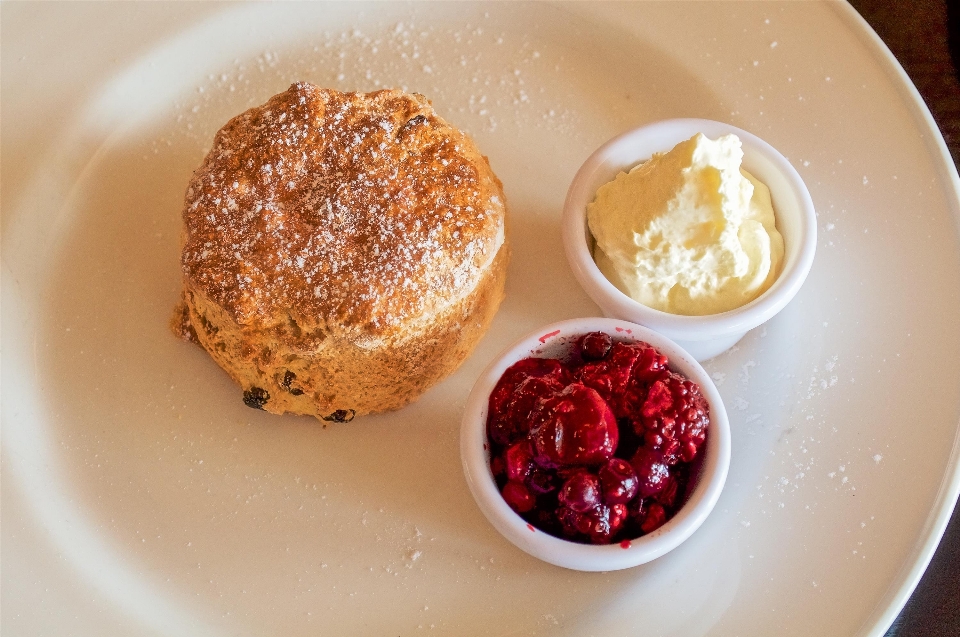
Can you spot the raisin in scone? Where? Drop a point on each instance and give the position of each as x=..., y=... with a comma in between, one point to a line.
x=342, y=252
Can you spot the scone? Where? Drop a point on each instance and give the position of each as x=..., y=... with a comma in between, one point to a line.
x=342, y=252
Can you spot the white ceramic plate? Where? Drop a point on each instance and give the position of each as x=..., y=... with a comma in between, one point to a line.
x=140, y=497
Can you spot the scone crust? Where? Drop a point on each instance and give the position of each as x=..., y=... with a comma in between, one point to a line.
x=341, y=251
x=333, y=378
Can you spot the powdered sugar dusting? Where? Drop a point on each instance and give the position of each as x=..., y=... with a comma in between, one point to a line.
x=357, y=210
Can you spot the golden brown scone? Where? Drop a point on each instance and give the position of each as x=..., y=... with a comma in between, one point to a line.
x=342, y=252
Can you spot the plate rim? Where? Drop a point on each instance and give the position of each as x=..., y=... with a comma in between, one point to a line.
x=911, y=571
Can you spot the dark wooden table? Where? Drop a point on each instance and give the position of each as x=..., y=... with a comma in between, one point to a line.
x=920, y=34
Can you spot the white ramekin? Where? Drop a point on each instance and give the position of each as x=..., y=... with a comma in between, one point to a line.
x=553, y=341
x=702, y=336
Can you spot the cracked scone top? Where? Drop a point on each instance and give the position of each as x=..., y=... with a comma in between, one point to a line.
x=341, y=251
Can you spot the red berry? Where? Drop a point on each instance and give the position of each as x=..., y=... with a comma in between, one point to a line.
x=668, y=451
x=519, y=460
x=581, y=491
x=572, y=522
x=654, y=518
x=652, y=472
x=667, y=496
x=514, y=396
x=650, y=365
x=652, y=439
x=594, y=346
x=526, y=397
x=518, y=497
x=542, y=480
x=601, y=520
x=618, y=481
x=618, y=516
x=574, y=427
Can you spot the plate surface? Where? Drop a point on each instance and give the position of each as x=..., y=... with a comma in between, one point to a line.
x=140, y=497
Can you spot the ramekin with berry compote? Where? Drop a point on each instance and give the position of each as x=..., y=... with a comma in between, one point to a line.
x=595, y=444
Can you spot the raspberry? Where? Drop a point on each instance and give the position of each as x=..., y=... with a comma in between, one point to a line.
x=673, y=419
x=659, y=399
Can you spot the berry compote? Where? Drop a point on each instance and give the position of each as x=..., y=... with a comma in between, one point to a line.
x=601, y=447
